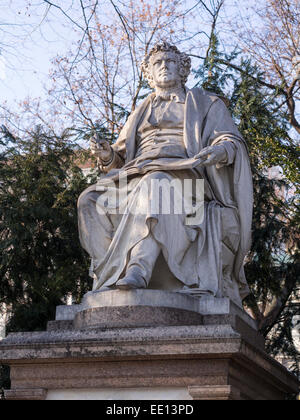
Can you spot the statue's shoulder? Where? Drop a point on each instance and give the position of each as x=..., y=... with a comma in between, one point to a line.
x=139, y=109
x=208, y=97
x=143, y=104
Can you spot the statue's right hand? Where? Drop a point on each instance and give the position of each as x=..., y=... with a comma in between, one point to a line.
x=101, y=149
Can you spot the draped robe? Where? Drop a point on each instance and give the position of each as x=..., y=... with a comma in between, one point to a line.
x=225, y=232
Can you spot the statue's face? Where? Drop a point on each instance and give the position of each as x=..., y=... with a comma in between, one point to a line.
x=165, y=69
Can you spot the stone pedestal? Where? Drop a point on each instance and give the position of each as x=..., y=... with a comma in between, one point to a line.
x=145, y=344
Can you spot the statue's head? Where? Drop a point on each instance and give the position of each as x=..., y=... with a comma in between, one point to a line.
x=165, y=66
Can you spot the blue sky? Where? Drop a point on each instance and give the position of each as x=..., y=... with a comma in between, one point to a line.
x=30, y=42
x=33, y=38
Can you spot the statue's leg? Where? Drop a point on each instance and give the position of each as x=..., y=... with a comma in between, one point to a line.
x=96, y=228
x=168, y=226
x=230, y=245
x=141, y=264
x=130, y=243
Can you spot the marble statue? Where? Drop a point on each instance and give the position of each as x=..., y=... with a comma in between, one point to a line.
x=175, y=134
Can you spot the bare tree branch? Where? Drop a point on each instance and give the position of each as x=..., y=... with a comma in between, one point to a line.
x=51, y=4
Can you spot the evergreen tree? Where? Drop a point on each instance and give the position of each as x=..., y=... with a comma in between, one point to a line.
x=272, y=267
x=41, y=260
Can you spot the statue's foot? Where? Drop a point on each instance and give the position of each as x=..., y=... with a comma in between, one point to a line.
x=131, y=282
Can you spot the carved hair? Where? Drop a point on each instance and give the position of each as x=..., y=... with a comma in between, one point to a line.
x=184, y=62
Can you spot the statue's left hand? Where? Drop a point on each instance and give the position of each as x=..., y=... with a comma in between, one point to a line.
x=212, y=155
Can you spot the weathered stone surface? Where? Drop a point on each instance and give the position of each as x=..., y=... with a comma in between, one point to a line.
x=206, y=305
x=220, y=357
x=136, y=308
x=69, y=342
x=60, y=325
x=217, y=393
x=140, y=297
x=26, y=394
x=67, y=312
x=134, y=316
x=184, y=356
x=151, y=308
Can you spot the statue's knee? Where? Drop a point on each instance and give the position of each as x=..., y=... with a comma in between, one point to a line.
x=154, y=176
x=158, y=175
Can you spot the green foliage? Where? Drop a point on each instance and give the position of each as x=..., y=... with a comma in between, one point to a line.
x=86, y=132
x=273, y=264
x=4, y=379
x=41, y=260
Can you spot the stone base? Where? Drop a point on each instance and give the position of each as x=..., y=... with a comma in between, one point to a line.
x=184, y=349
x=152, y=308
